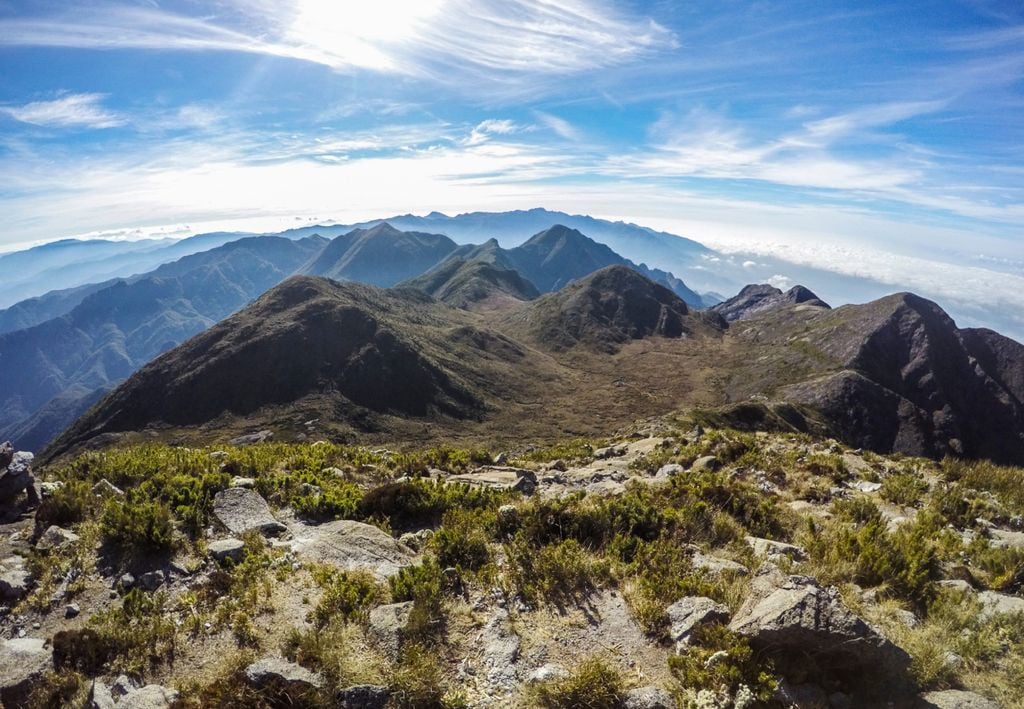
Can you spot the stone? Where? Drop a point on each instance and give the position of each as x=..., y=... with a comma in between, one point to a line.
x=352, y=546
x=105, y=488
x=792, y=618
x=496, y=477
x=500, y=646
x=55, y=538
x=689, y=613
x=362, y=696
x=122, y=685
x=224, y=549
x=801, y=696
x=547, y=673
x=717, y=565
x=955, y=699
x=100, y=696
x=670, y=470
x=242, y=510
x=126, y=581
x=252, y=438
x=707, y=462
x=16, y=477
x=248, y=483
x=282, y=674
x=15, y=579
x=773, y=550
x=907, y=618
x=648, y=698
x=616, y=451
x=385, y=626
x=152, y=580
x=956, y=585
x=152, y=696
x=999, y=603
x=72, y=610
x=1006, y=538
x=22, y=664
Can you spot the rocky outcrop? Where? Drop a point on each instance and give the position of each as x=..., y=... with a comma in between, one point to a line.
x=352, y=546
x=955, y=699
x=152, y=696
x=15, y=579
x=386, y=625
x=242, y=510
x=688, y=614
x=22, y=664
x=807, y=629
x=282, y=675
x=224, y=549
x=16, y=474
x=759, y=298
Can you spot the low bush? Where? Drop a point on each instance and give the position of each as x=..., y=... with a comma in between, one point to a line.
x=559, y=573
x=347, y=595
x=139, y=527
x=463, y=539
x=720, y=659
x=905, y=487
x=594, y=684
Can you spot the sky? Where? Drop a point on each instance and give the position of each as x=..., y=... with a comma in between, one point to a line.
x=874, y=139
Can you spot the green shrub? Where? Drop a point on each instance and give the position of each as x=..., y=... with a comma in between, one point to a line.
x=141, y=527
x=660, y=574
x=463, y=539
x=594, y=684
x=718, y=658
x=419, y=681
x=347, y=595
x=556, y=573
x=905, y=487
x=858, y=510
x=828, y=465
x=421, y=584
x=69, y=504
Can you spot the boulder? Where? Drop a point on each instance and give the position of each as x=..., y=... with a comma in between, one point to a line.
x=615, y=451
x=498, y=477
x=352, y=546
x=801, y=696
x=15, y=579
x=807, y=629
x=648, y=698
x=242, y=510
x=152, y=696
x=55, y=538
x=252, y=438
x=100, y=696
x=105, y=488
x=955, y=699
x=22, y=664
x=152, y=580
x=386, y=625
x=773, y=550
x=689, y=613
x=670, y=470
x=282, y=675
x=15, y=477
x=716, y=565
x=224, y=549
x=707, y=462
x=362, y=696
x=999, y=603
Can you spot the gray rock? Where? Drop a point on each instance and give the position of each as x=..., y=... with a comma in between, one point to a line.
x=999, y=603
x=352, y=545
x=279, y=673
x=152, y=580
x=22, y=664
x=792, y=618
x=224, y=549
x=907, y=618
x=497, y=477
x=252, y=438
x=55, y=538
x=15, y=579
x=126, y=581
x=648, y=698
x=100, y=696
x=689, y=613
x=122, y=685
x=773, y=550
x=955, y=699
x=72, y=610
x=670, y=470
x=500, y=646
x=248, y=483
x=707, y=462
x=1006, y=538
x=956, y=585
x=801, y=696
x=152, y=696
x=615, y=451
x=717, y=565
x=386, y=624
x=242, y=510
x=362, y=696
x=547, y=673
x=105, y=488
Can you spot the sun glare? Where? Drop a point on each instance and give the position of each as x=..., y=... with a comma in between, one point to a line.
x=358, y=31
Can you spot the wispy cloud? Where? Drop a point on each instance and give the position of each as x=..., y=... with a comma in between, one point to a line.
x=560, y=126
x=496, y=39
x=67, y=111
x=491, y=127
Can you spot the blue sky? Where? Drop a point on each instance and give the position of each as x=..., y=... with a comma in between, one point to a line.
x=882, y=139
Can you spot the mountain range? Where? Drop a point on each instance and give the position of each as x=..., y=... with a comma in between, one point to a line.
x=65, y=349
x=355, y=362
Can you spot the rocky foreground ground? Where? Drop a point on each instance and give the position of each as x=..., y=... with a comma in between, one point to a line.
x=670, y=566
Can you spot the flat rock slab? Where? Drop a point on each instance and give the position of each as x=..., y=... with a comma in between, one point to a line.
x=689, y=613
x=1007, y=538
x=955, y=699
x=22, y=664
x=15, y=579
x=152, y=696
x=772, y=549
x=500, y=646
x=999, y=603
x=223, y=549
x=648, y=698
x=386, y=624
x=280, y=673
x=499, y=478
x=352, y=546
x=242, y=510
